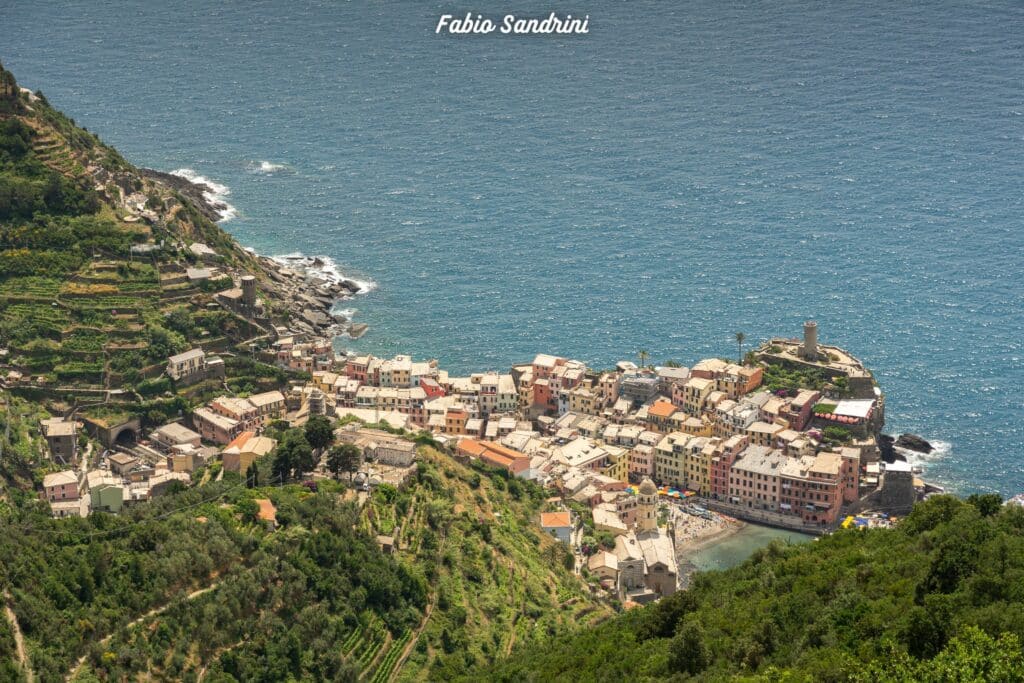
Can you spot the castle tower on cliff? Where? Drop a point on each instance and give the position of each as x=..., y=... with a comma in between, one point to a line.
x=647, y=519
x=809, y=349
x=249, y=292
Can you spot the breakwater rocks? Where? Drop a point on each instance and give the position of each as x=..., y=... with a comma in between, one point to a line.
x=912, y=442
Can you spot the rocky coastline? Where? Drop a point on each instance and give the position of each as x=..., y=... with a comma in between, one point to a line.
x=300, y=285
x=888, y=445
x=312, y=299
x=197, y=193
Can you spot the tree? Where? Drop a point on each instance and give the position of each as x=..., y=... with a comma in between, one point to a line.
x=987, y=504
x=740, y=338
x=293, y=457
x=688, y=652
x=344, y=458
x=302, y=458
x=643, y=355
x=248, y=509
x=252, y=476
x=319, y=432
x=282, y=465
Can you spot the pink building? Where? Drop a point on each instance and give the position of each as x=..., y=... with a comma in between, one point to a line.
x=60, y=486
x=543, y=396
x=641, y=462
x=811, y=487
x=754, y=480
x=798, y=412
x=356, y=368
x=721, y=464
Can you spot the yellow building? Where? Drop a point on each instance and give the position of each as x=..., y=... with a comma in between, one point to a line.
x=694, y=426
x=583, y=401
x=669, y=459
x=324, y=380
x=763, y=434
x=697, y=465
x=618, y=463
x=695, y=394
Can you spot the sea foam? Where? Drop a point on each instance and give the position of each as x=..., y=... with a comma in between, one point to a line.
x=215, y=193
x=323, y=267
x=267, y=167
x=941, y=449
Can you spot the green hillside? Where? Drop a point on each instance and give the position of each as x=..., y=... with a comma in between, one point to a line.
x=496, y=580
x=939, y=598
x=80, y=311
x=192, y=585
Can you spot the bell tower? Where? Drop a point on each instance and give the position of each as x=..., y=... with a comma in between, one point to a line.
x=647, y=519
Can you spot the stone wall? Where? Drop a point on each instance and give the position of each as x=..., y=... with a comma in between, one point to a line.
x=766, y=517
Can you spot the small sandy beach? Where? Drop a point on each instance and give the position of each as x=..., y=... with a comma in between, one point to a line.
x=694, y=532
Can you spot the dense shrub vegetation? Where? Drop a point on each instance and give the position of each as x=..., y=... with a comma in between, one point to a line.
x=281, y=598
x=942, y=592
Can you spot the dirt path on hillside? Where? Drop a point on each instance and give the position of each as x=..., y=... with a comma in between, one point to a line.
x=19, y=640
x=422, y=625
x=135, y=622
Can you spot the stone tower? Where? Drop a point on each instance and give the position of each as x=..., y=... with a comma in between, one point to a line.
x=647, y=517
x=249, y=292
x=317, y=403
x=809, y=349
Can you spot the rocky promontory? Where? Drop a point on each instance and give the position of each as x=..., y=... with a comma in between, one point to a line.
x=300, y=285
x=197, y=193
x=310, y=298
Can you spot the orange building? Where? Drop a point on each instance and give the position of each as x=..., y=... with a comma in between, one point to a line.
x=455, y=422
x=494, y=454
x=659, y=417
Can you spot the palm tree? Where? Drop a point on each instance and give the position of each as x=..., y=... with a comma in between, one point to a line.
x=643, y=355
x=740, y=338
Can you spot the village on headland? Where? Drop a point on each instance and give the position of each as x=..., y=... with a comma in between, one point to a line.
x=644, y=464
x=172, y=355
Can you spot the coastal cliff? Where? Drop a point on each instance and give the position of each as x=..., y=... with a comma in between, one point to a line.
x=106, y=269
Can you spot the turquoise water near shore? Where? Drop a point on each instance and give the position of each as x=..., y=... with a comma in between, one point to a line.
x=734, y=549
x=687, y=170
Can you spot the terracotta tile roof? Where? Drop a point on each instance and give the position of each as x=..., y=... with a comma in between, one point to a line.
x=471, y=447
x=268, y=513
x=661, y=409
x=551, y=520
x=240, y=440
x=494, y=453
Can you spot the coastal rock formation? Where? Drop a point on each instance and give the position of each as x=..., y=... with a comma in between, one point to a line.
x=303, y=292
x=197, y=193
x=310, y=298
x=885, y=449
x=888, y=444
x=912, y=442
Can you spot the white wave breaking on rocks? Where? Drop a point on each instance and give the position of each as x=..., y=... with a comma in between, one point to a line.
x=215, y=193
x=941, y=449
x=323, y=267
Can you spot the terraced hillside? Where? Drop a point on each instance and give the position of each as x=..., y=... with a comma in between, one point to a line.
x=496, y=580
x=94, y=292
x=193, y=586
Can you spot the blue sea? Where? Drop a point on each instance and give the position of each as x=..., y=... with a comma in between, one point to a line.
x=685, y=171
